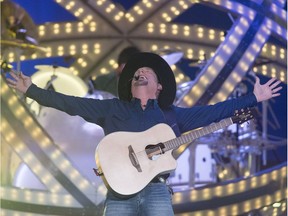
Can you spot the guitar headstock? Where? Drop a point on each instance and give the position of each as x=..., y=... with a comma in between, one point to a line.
x=243, y=115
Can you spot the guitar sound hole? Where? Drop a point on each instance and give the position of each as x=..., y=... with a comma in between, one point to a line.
x=153, y=151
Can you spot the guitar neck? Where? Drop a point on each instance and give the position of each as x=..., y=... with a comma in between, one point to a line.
x=187, y=138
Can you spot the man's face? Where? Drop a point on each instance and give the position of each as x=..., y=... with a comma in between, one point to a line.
x=146, y=78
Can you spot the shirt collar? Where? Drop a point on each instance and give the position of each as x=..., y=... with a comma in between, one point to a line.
x=150, y=103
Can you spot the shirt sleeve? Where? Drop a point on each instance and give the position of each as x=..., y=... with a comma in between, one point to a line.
x=200, y=116
x=89, y=109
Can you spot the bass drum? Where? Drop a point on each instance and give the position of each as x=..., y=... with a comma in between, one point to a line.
x=72, y=134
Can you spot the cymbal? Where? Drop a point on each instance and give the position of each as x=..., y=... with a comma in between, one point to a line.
x=171, y=56
x=21, y=45
x=18, y=29
x=53, y=68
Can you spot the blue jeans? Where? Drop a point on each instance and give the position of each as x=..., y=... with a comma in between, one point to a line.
x=153, y=200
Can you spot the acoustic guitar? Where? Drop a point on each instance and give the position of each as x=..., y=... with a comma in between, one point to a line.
x=128, y=161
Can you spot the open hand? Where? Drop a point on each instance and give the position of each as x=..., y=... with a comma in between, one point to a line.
x=19, y=82
x=266, y=91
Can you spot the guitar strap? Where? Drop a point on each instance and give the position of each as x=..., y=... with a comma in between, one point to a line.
x=170, y=117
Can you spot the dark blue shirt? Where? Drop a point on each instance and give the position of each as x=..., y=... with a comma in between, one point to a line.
x=117, y=115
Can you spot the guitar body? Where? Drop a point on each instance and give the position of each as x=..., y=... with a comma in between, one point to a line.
x=120, y=173
x=128, y=161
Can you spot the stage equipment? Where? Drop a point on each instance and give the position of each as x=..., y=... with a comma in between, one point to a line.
x=170, y=56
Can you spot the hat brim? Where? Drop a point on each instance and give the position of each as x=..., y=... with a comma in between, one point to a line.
x=160, y=67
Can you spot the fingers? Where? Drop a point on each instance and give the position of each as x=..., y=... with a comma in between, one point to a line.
x=22, y=75
x=257, y=81
x=276, y=95
x=276, y=89
x=275, y=84
x=270, y=81
x=15, y=76
x=11, y=83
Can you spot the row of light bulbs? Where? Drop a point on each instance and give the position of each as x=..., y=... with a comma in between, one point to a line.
x=236, y=188
x=44, y=142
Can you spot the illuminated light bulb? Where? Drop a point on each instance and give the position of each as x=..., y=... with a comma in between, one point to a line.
x=64, y=164
x=188, y=100
x=197, y=91
x=76, y=72
x=200, y=35
x=268, y=200
x=177, y=198
x=264, y=179
x=244, y=66
x=193, y=195
x=99, y=3
x=150, y=25
x=173, y=8
x=14, y=194
x=150, y=30
x=174, y=31
x=220, y=96
x=20, y=111
x=131, y=19
x=148, y=5
x=4, y=89
x=206, y=193
x=227, y=49
x=103, y=70
x=55, y=154
x=260, y=37
x=223, y=211
x=256, y=47
x=74, y=174
x=46, y=179
x=55, y=188
x=186, y=33
x=67, y=201
x=117, y=17
x=200, y=30
x=239, y=30
x=45, y=142
x=221, y=175
x=228, y=4
x=84, y=184
x=37, y=168
x=233, y=40
x=41, y=33
x=154, y=47
x=12, y=100
x=278, y=195
x=168, y=19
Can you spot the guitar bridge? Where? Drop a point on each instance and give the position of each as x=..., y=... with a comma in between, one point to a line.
x=133, y=159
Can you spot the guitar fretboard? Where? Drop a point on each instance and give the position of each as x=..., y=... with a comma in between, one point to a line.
x=187, y=138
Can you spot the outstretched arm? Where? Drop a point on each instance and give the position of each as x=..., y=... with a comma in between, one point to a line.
x=266, y=91
x=19, y=82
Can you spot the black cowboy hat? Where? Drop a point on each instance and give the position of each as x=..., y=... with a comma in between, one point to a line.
x=160, y=67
